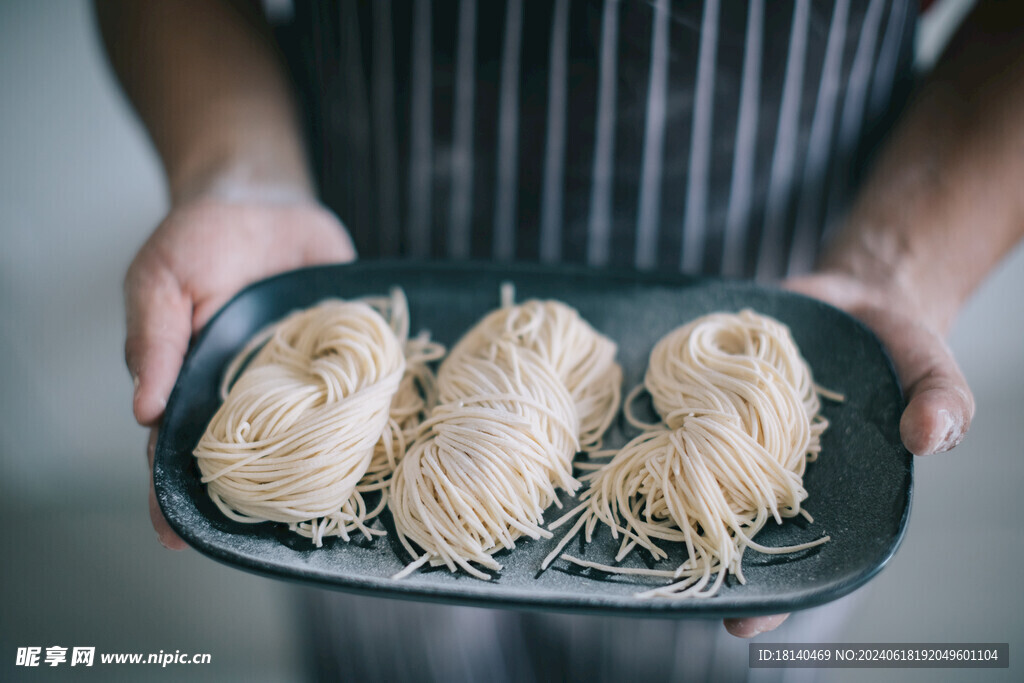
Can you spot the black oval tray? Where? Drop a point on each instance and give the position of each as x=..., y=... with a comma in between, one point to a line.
x=859, y=489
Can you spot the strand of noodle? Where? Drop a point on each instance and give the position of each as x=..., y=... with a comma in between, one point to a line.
x=619, y=570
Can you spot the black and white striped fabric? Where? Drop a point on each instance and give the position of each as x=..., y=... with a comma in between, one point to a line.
x=716, y=137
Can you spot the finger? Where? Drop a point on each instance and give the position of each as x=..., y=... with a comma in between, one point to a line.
x=158, y=320
x=748, y=627
x=166, y=535
x=939, y=402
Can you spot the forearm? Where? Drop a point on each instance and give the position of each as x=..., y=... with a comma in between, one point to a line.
x=946, y=199
x=206, y=80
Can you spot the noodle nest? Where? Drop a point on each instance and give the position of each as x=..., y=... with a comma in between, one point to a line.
x=739, y=421
x=519, y=396
x=319, y=415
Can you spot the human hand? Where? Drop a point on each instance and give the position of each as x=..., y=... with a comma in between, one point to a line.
x=939, y=402
x=204, y=252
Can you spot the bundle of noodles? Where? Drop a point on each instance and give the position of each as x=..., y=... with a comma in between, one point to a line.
x=519, y=396
x=319, y=416
x=739, y=412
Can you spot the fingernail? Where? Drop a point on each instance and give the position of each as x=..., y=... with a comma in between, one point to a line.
x=952, y=429
x=135, y=383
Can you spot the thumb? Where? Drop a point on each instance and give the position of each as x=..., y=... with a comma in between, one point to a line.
x=159, y=326
x=939, y=402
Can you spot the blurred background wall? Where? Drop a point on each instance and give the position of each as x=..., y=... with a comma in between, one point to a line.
x=80, y=189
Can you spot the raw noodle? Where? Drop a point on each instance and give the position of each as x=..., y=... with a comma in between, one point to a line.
x=519, y=396
x=739, y=420
x=319, y=416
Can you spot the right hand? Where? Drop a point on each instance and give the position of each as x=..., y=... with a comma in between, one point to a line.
x=203, y=253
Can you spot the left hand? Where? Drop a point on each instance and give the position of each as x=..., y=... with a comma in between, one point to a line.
x=939, y=402
x=203, y=253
